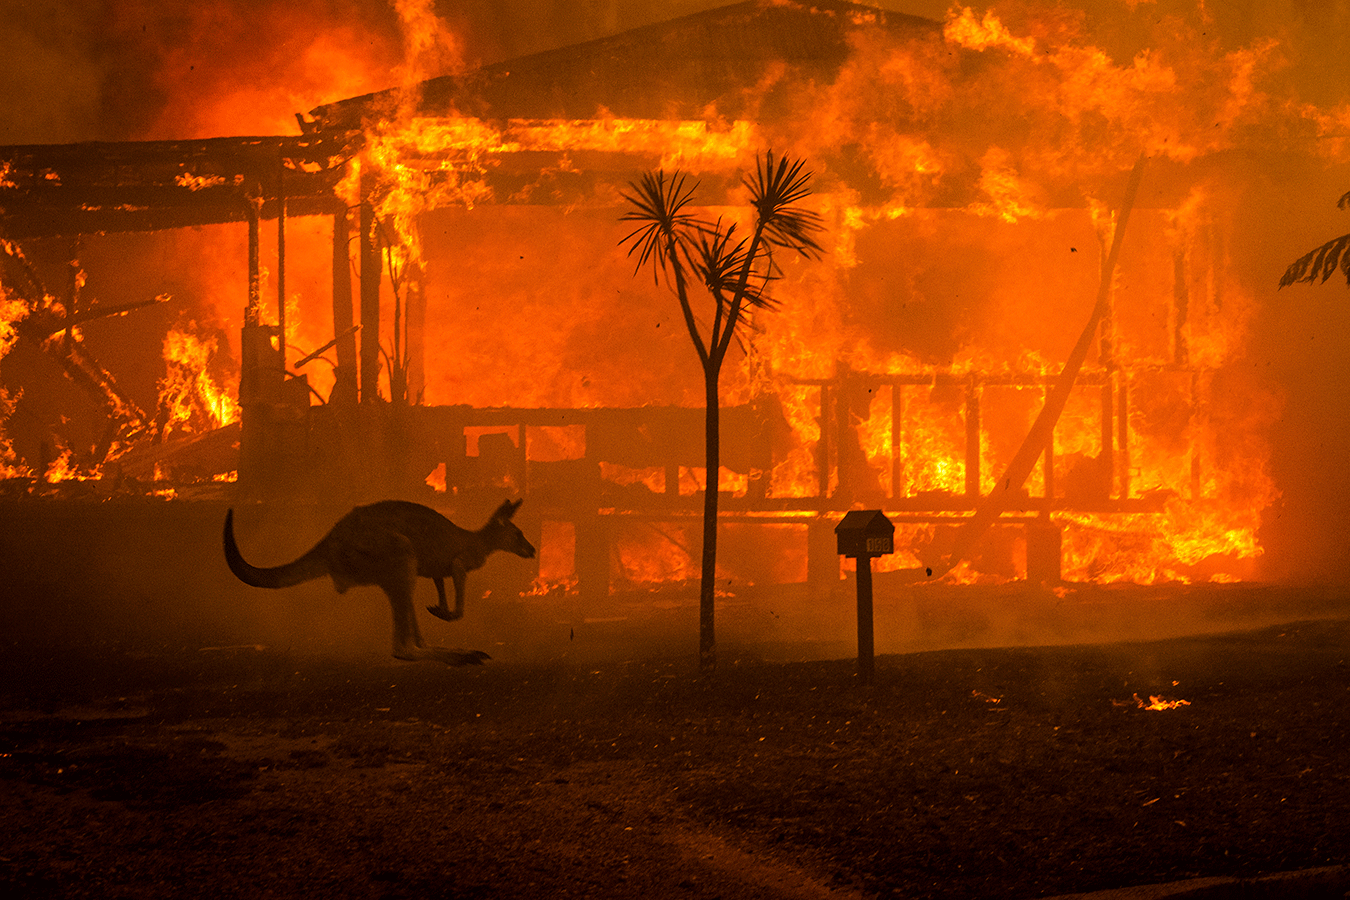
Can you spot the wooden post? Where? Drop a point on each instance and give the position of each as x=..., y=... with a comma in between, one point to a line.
x=861, y=535
x=370, y=297
x=973, y=440
x=1108, y=457
x=281, y=260
x=1049, y=474
x=343, y=331
x=414, y=333
x=253, y=311
x=898, y=487
x=866, y=652
x=823, y=445
x=1123, y=434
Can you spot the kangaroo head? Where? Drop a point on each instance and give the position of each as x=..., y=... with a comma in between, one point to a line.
x=505, y=535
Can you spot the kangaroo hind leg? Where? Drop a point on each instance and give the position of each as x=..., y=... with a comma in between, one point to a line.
x=398, y=582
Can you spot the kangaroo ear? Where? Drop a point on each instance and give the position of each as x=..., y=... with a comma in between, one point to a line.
x=507, y=510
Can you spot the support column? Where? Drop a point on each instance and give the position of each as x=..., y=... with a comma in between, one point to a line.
x=414, y=332
x=260, y=373
x=253, y=311
x=281, y=260
x=1049, y=461
x=344, y=390
x=1108, y=456
x=897, y=440
x=823, y=445
x=370, y=298
x=973, y=440
x=1123, y=435
x=1107, y=354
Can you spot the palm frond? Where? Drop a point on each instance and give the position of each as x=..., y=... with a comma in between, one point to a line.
x=775, y=188
x=720, y=259
x=663, y=224
x=1320, y=264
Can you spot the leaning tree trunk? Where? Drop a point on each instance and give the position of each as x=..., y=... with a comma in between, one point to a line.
x=707, y=644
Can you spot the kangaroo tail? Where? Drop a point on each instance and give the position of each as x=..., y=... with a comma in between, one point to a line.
x=308, y=567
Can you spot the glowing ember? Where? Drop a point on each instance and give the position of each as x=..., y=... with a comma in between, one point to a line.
x=436, y=480
x=1159, y=702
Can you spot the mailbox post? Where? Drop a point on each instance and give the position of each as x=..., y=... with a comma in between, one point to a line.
x=863, y=534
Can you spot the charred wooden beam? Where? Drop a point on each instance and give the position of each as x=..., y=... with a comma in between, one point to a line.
x=42, y=325
x=96, y=187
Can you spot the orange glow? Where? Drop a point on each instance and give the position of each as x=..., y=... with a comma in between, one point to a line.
x=436, y=480
x=64, y=469
x=652, y=478
x=964, y=30
x=226, y=73
x=9, y=463
x=969, y=179
x=650, y=553
x=190, y=399
x=1159, y=702
x=557, y=560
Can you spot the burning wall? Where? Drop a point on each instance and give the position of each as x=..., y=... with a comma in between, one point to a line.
x=970, y=173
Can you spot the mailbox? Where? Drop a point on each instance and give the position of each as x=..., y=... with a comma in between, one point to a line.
x=865, y=532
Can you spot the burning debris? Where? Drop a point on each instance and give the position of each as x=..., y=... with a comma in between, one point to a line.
x=1156, y=702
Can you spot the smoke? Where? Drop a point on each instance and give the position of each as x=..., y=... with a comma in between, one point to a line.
x=115, y=70
x=1302, y=344
x=140, y=70
x=79, y=70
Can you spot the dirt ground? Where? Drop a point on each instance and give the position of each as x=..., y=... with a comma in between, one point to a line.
x=243, y=771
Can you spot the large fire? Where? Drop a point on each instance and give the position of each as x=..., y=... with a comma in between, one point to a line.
x=971, y=180
x=190, y=398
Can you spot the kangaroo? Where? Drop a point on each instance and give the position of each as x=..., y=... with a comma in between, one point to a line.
x=390, y=544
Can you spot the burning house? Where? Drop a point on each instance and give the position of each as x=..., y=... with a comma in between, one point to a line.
x=430, y=300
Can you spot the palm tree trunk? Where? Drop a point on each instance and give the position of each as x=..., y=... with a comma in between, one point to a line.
x=707, y=645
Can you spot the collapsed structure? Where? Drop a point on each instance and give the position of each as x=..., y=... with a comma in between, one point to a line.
x=483, y=332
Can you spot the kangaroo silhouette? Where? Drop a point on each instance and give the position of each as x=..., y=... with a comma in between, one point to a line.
x=390, y=544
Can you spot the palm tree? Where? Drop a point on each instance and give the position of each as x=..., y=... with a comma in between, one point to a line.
x=1320, y=264
x=735, y=270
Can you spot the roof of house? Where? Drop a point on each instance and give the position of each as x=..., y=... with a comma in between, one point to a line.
x=729, y=62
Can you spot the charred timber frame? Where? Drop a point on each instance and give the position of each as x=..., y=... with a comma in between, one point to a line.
x=1115, y=411
x=96, y=188
x=51, y=190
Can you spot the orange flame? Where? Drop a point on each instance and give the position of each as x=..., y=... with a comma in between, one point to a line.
x=190, y=399
x=979, y=214
x=63, y=468
x=1158, y=702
